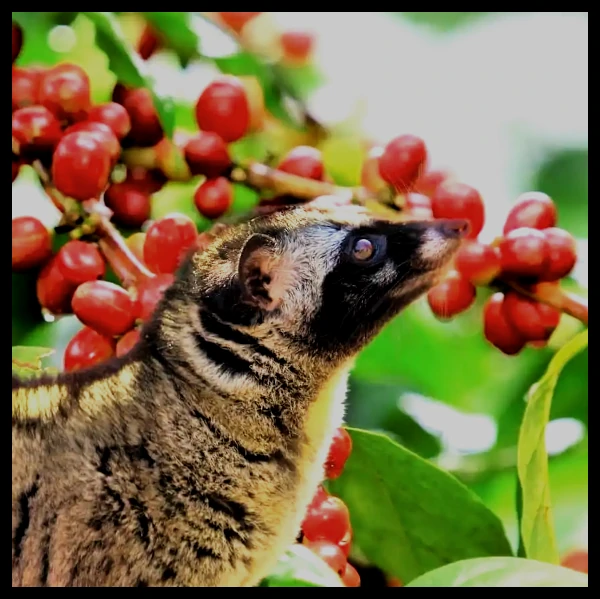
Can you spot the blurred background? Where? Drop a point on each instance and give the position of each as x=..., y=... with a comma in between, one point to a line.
x=501, y=100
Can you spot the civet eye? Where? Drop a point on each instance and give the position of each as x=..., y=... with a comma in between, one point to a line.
x=363, y=249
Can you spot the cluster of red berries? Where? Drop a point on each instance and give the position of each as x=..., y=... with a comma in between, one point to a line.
x=531, y=253
x=326, y=527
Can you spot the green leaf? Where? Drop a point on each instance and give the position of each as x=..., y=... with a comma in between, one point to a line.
x=300, y=567
x=27, y=361
x=177, y=31
x=537, y=525
x=129, y=68
x=501, y=572
x=408, y=516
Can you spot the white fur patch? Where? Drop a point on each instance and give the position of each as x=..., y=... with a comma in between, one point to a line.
x=434, y=247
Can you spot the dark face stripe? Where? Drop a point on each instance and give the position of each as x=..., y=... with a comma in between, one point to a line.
x=24, y=516
x=223, y=357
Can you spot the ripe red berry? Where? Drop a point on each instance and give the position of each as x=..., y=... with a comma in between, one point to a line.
x=130, y=204
x=146, y=129
x=34, y=129
x=126, y=343
x=105, y=307
x=331, y=554
x=533, y=209
x=329, y=521
x=237, y=20
x=418, y=206
x=370, y=178
x=346, y=542
x=223, y=108
x=351, y=577
x=402, y=161
x=87, y=348
x=25, y=86
x=576, y=560
x=17, y=40
x=478, y=262
x=457, y=200
x=303, y=161
x=452, y=296
x=103, y=133
x=80, y=166
x=112, y=115
x=319, y=497
x=498, y=330
x=206, y=154
x=562, y=254
x=167, y=242
x=430, y=180
x=65, y=91
x=53, y=291
x=533, y=320
x=149, y=180
x=213, y=197
x=297, y=46
x=79, y=262
x=339, y=452
x=148, y=43
x=149, y=293
x=31, y=243
x=524, y=253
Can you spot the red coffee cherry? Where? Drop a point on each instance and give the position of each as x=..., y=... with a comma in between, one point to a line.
x=148, y=180
x=339, y=452
x=331, y=554
x=206, y=154
x=402, y=161
x=477, y=262
x=524, y=253
x=303, y=161
x=237, y=20
x=112, y=115
x=130, y=203
x=498, y=330
x=168, y=240
x=26, y=86
x=329, y=521
x=104, y=307
x=534, y=321
x=418, y=206
x=149, y=43
x=17, y=40
x=34, y=130
x=345, y=543
x=65, y=91
x=223, y=108
x=453, y=295
x=534, y=210
x=562, y=254
x=457, y=200
x=127, y=342
x=213, y=197
x=430, y=180
x=297, y=46
x=576, y=560
x=31, y=243
x=146, y=129
x=79, y=262
x=53, y=291
x=103, y=133
x=81, y=166
x=351, y=577
x=370, y=178
x=149, y=293
x=87, y=348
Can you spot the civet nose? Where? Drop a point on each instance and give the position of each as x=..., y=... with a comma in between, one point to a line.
x=454, y=227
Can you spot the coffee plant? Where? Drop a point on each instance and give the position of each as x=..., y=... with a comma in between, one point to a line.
x=141, y=178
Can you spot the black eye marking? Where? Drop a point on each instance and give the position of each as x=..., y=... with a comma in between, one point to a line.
x=366, y=249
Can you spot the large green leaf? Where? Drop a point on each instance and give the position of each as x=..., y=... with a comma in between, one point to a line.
x=177, y=29
x=129, y=68
x=300, y=567
x=408, y=516
x=501, y=572
x=537, y=526
x=28, y=361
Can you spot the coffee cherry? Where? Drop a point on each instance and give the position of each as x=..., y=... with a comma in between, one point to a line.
x=345, y=543
x=223, y=108
x=127, y=342
x=31, y=243
x=402, y=161
x=105, y=307
x=330, y=521
x=213, y=197
x=303, y=161
x=146, y=129
x=430, y=180
x=130, y=204
x=237, y=20
x=331, y=554
x=297, y=46
x=103, y=133
x=53, y=291
x=477, y=262
x=79, y=262
x=34, y=128
x=65, y=91
x=149, y=293
x=351, y=577
x=533, y=320
x=17, y=40
x=576, y=560
x=498, y=330
x=457, y=200
x=87, y=348
x=524, y=253
x=339, y=452
x=369, y=177
x=533, y=209
x=168, y=240
x=453, y=295
x=26, y=86
x=562, y=254
x=112, y=115
x=80, y=166
x=149, y=43
x=418, y=206
x=206, y=154
x=148, y=180
x=318, y=498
